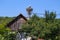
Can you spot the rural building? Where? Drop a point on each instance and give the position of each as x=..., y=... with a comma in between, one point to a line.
x=16, y=23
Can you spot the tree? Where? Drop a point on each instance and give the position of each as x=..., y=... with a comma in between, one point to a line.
x=50, y=16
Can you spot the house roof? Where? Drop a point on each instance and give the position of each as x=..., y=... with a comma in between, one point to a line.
x=14, y=20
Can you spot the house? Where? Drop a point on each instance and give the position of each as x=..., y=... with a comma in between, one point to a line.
x=16, y=23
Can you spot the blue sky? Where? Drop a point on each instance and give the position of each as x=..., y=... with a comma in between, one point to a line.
x=15, y=7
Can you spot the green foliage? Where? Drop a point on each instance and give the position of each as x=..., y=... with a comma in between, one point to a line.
x=50, y=16
x=39, y=27
x=4, y=32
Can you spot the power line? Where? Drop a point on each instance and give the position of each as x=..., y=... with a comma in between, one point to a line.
x=43, y=13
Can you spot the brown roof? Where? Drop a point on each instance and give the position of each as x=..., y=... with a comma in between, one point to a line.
x=14, y=20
